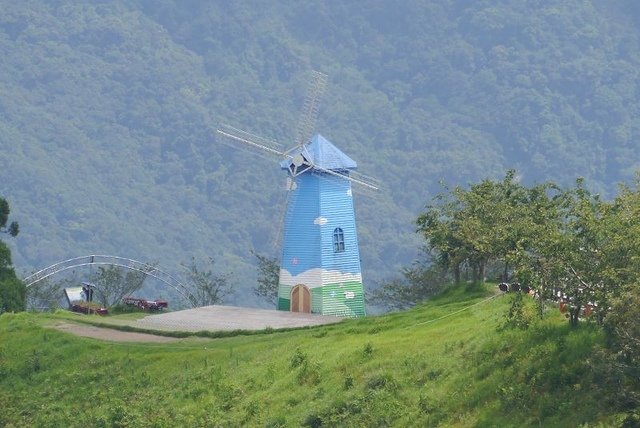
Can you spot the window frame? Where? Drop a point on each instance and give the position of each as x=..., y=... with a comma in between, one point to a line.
x=338, y=240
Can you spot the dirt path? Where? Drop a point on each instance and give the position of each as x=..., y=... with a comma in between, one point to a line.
x=110, y=334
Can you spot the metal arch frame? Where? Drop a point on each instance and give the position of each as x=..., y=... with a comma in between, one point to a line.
x=101, y=260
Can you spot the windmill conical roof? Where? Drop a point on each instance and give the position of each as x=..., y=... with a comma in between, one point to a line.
x=324, y=154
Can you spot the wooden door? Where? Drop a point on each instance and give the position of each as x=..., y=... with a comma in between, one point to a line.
x=300, y=299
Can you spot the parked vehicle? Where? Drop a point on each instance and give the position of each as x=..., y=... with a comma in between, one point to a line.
x=144, y=304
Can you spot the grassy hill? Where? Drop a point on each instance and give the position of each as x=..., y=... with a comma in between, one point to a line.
x=446, y=362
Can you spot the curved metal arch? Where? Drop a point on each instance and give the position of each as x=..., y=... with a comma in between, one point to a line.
x=98, y=260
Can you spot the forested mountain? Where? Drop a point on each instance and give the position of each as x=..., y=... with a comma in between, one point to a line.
x=108, y=113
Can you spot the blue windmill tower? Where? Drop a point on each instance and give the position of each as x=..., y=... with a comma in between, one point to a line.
x=320, y=264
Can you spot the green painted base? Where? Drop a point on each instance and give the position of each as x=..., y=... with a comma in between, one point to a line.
x=345, y=299
x=284, y=304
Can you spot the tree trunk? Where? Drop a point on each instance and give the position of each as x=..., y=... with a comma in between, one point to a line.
x=481, y=271
x=574, y=311
x=541, y=297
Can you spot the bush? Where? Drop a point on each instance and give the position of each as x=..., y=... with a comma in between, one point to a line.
x=298, y=358
x=12, y=292
x=121, y=308
x=381, y=381
x=309, y=373
x=518, y=316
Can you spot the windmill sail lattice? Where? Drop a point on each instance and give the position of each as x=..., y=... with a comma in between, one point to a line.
x=309, y=113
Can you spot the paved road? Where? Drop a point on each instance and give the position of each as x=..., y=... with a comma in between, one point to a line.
x=218, y=317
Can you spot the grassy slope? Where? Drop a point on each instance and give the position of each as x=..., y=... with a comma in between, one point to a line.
x=404, y=369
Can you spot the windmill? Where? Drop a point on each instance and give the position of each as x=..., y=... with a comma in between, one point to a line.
x=320, y=264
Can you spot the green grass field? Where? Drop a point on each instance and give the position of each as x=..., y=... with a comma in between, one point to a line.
x=444, y=363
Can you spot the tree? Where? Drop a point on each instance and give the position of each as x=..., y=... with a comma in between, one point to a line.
x=208, y=288
x=439, y=227
x=533, y=256
x=623, y=334
x=583, y=249
x=13, y=229
x=46, y=294
x=12, y=290
x=268, y=278
x=112, y=283
x=623, y=327
x=479, y=226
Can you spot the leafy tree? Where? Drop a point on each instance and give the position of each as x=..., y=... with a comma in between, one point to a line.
x=13, y=229
x=623, y=327
x=207, y=287
x=46, y=294
x=479, y=226
x=621, y=240
x=12, y=290
x=623, y=352
x=439, y=226
x=268, y=278
x=516, y=316
x=534, y=257
x=584, y=250
x=115, y=282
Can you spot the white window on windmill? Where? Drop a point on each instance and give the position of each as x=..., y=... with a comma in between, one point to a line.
x=338, y=240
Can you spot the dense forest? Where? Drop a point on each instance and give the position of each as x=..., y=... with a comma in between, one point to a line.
x=108, y=114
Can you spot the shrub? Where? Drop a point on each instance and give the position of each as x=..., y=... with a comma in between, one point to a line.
x=309, y=373
x=298, y=358
x=381, y=381
x=367, y=350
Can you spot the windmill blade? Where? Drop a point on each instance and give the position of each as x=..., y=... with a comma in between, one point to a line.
x=309, y=114
x=364, y=181
x=366, y=178
x=359, y=181
x=289, y=187
x=250, y=140
x=356, y=188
